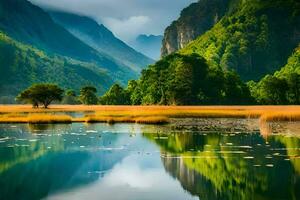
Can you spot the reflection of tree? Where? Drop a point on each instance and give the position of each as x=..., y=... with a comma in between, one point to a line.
x=292, y=145
x=207, y=167
x=190, y=180
x=13, y=156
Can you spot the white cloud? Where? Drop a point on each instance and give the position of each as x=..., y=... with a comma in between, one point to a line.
x=127, y=29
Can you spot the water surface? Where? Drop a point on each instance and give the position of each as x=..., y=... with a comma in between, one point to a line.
x=139, y=162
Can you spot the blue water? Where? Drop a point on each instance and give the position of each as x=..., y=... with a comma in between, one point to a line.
x=139, y=162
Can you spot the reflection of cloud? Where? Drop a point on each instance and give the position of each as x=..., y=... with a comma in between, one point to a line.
x=127, y=28
x=132, y=180
x=131, y=174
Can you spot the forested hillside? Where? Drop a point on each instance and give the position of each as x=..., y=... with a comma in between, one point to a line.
x=22, y=65
x=254, y=37
x=29, y=24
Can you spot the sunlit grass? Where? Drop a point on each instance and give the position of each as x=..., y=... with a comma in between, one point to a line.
x=143, y=114
x=281, y=116
x=35, y=118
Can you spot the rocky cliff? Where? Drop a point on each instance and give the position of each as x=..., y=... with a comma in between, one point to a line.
x=194, y=20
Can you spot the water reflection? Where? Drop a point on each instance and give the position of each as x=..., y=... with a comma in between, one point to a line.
x=233, y=166
x=80, y=161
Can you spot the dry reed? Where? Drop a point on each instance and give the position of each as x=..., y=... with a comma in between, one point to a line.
x=35, y=118
x=143, y=114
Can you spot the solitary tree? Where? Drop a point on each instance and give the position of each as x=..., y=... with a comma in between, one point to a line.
x=43, y=94
x=88, y=95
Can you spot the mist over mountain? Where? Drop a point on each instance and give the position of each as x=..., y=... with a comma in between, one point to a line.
x=100, y=38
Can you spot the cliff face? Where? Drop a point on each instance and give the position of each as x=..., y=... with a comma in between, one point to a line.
x=194, y=20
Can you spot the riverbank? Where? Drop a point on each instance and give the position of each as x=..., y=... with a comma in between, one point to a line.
x=142, y=114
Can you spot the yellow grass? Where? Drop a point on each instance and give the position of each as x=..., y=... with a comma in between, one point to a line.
x=281, y=116
x=127, y=119
x=35, y=118
x=142, y=114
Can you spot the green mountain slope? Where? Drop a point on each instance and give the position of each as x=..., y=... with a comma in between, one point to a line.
x=255, y=39
x=194, y=20
x=31, y=25
x=101, y=39
x=22, y=65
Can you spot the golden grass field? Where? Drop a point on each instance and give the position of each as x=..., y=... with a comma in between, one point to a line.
x=142, y=114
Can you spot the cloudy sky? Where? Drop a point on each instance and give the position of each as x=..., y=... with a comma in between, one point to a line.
x=126, y=18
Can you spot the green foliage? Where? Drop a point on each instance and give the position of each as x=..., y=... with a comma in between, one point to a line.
x=194, y=20
x=43, y=94
x=255, y=38
x=188, y=80
x=22, y=65
x=88, y=95
x=30, y=24
x=116, y=95
x=281, y=88
x=70, y=98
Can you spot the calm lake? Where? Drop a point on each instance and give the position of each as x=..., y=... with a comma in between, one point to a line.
x=145, y=162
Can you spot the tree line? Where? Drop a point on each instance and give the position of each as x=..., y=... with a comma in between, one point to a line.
x=177, y=80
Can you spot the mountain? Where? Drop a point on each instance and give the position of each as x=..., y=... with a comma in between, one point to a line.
x=100, y=38
x=22, y=65
x=194, y=20
x=254, y=37
x=247, y=40
x=149, y=45
x=31, y=25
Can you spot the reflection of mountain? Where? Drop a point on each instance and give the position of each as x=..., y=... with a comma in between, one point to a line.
x=218, y=169
x=190, y=180
x=25, y=154
x=292, y=145
x=51, y=164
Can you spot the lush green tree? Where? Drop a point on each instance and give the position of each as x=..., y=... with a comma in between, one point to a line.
x=43, y=94
x=116, y=95
x=270, y=90
x=188, y=80
x=293, y=93
x=281, y=88
x=70, y=98
x=88, y=95
x=134, y=92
